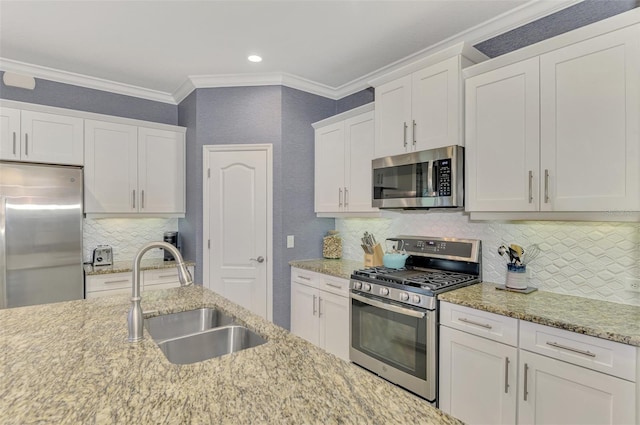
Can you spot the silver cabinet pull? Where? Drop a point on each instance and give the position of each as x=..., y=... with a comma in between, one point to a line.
x=405, y=135
x=134, y=199
x=546, y=186
x=14, y=142
x=530, y=186
x=333, y=285
x=414, y=132
x=471, y=322
x=506, y=375
x=575, y=350
x=340, y=197
x=304, y=277
x=260, y=259
x=346, y=197
x=108, y=282
x=167, y=275
x=526, y=378
x=314, y=304
x=26, y=144
x=319, y=306
x=142, y=199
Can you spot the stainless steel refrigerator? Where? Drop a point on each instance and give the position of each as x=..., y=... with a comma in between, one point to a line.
x=40, y=234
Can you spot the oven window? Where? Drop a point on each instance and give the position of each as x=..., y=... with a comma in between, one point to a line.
x=393, y=338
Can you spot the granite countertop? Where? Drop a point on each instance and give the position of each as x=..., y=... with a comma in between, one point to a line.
x=602, y=319
x=70, y=363
x=127, y=266
x=338, y=268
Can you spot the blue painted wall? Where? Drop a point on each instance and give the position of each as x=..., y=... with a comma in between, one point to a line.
x=62, y=95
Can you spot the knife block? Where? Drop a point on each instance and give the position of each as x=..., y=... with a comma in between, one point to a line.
x=375, y=259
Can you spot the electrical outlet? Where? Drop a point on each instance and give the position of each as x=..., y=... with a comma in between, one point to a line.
x=633, y=284
x=290, y=241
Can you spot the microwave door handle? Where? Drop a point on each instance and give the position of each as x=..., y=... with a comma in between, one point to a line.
x=436, y=173
x=388, y=307
x=430, y=179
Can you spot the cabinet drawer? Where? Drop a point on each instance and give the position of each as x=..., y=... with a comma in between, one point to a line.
x=335, y=285
x=108, y=282
x=488, y=325
x=305, y=277
x=594, y=353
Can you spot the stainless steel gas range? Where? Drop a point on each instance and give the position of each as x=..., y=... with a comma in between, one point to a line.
x=394, y=312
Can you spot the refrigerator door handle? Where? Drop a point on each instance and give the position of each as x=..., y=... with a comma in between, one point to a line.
x=3, y=253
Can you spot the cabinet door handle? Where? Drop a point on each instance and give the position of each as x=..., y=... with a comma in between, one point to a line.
x=414, y=132
x=26, y=144
x=319, y=306
x=546, y=186
x=526, y=379
x=304, y=277
x=333, y=285
x=471, y=322
x=108, y=282
x=314, y=304
x=346, y=197
x=14, y=142
x=142, y=199
x=530, y=186
x=506, y=375
x=575, y=350
x=404, y=140
x=134, y=199
x=167, y=275
x=340, y=197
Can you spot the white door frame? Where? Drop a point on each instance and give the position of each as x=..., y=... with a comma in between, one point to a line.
x=206, y=236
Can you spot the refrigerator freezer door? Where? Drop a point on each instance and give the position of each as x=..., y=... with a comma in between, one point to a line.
x=42, y=218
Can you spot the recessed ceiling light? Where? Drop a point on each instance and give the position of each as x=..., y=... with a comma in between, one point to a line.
x=254, y=58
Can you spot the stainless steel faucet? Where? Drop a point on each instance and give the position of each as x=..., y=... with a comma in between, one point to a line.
x=135, y=312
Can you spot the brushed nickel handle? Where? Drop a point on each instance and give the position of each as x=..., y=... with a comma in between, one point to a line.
x=526, y=379
x=506, y=375
x=333, y=285
x=530, y=186
x=260, y=259
x=346, y=197
x=340, y=197
x=108, y=282
x=304, y=277
x=414, y=132
x=167, y=275
x=471, y=322
x=142, y=199
x=319, y=306
x=14, y=142
x=575, y=350
x=134, y=198
x=26, y=144
x=546, y=186
x=405, y=135
x=314, y=304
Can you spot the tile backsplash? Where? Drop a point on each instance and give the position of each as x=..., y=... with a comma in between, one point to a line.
x=125, y=236
x=593, y=260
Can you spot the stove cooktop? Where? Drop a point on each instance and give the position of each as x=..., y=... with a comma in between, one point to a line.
x=416, y=278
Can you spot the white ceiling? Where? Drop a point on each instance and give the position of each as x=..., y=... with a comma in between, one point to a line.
x=158, y=45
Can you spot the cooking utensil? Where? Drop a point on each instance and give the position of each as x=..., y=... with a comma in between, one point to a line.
x=531, y=254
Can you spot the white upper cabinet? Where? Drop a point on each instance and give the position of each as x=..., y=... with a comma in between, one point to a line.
x=503, y=142
x=420, y=111
x=590, y=122
x=558, y=131
x=132, y=169
x=41, y=137
x=343, y=154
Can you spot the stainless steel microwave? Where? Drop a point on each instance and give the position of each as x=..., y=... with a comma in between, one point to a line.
x=426, y=179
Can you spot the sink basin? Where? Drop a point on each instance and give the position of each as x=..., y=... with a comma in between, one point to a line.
x=175, y=325
x=209, y=344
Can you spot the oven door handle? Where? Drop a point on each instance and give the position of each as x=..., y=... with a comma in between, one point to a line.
x=388, y=307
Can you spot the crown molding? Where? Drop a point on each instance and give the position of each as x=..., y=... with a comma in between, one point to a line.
x=524, y=14
x=72, y=78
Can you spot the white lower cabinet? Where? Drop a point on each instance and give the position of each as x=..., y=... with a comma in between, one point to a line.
x=320, y=310
x=487, y=378
x=120, y=283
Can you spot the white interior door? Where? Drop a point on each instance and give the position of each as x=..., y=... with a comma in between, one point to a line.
x=237, y=224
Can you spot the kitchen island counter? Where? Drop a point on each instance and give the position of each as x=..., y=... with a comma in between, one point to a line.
x=602, y=319
x=337, y=268
x=70, y=363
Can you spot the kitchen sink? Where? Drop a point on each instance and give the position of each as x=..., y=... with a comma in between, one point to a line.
x=175, y=325
x=209, y=344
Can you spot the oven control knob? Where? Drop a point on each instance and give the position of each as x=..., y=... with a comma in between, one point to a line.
x=384, y=291
x=357, y=285
x=366, y=287
x=404, y=296
x=416, y=299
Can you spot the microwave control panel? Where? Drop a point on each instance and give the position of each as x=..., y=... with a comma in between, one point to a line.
x=444, y=177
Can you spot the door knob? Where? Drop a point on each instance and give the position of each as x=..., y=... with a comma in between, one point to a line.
x=260, y=259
